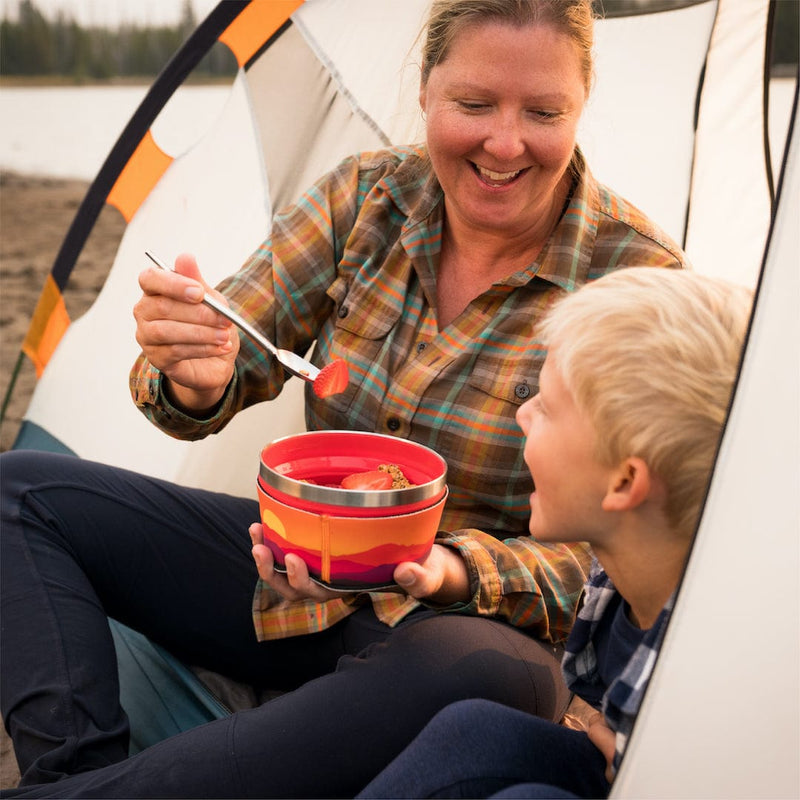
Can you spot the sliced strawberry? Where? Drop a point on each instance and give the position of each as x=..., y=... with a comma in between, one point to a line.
x=368, y=481
x=332, y=379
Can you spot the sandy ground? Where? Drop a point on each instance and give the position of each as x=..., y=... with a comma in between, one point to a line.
x=35, y=214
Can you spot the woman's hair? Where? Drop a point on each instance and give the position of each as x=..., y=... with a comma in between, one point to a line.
x=650, y=356
x=447, y=18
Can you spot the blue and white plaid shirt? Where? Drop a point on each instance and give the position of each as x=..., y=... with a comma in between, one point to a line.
x=623, y=696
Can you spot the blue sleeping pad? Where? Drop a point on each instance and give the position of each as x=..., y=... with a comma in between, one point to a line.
x=159, y=693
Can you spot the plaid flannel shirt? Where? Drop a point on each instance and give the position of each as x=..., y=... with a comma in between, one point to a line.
x=622, y=698
x=351, y=268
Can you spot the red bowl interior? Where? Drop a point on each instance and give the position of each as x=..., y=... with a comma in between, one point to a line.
x=326, y=457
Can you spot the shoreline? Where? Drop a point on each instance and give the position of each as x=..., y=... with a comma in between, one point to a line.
x=47, y=81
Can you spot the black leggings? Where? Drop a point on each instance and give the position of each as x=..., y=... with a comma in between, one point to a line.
x=84, y=541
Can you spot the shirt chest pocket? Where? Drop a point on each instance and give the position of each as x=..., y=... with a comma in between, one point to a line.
x=483, y=442
x=360, y=331
x=510, y=381
x=363, y=310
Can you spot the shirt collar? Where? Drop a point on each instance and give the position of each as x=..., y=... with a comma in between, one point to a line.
x=565, y=259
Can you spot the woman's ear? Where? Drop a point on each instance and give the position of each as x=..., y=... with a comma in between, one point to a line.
x=630, y=484
x=423, y=89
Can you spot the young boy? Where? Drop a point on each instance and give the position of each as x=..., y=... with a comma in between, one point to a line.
x=621, y=441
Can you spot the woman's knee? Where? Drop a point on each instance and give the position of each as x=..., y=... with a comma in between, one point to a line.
x=473, y=657
x=23, y=470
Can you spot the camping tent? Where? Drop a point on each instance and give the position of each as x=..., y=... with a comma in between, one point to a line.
x=676, y=123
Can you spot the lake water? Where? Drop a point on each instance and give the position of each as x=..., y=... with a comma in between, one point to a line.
x=69, y=131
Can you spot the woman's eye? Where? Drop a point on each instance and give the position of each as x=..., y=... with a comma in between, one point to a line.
x=469, y=105
x=544, y=115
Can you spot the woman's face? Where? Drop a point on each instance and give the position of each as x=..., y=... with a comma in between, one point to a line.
x=502, y=111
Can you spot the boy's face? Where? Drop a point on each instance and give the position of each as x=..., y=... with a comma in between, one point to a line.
x=570, y=482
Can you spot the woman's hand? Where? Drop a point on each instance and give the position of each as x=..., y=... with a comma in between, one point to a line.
x=442, y=578
x=296, y=584
x=194, y=347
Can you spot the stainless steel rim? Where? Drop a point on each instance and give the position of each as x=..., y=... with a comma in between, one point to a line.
x=352, y=498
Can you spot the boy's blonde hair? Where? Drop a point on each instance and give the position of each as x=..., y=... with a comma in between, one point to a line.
x=650, y=356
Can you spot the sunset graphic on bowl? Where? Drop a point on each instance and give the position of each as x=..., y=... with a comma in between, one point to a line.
x=361, y=552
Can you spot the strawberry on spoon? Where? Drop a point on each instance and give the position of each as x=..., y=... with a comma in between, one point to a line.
x=332, y=379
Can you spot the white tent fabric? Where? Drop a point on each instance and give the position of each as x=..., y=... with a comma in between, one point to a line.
x=721, y=717
x=726, y=237
x=638, y=129
x=191, y=209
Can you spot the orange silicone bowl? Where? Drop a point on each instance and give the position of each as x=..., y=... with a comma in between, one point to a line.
x=350, y=539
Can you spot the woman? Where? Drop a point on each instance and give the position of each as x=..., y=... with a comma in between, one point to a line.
x=426, y=269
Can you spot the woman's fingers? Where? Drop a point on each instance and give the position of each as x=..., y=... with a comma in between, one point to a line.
x=296, y=584
x=191, y=344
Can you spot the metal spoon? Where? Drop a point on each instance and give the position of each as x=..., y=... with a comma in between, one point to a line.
x=290, y=361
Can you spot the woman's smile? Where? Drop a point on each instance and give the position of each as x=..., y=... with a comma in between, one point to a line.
x=494, y=178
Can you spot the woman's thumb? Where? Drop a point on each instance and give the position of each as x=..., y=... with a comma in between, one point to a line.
x=186, y=265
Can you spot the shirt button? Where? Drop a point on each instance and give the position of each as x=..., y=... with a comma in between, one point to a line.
x=393, y=423
x=522, y=391
x=343, y=312
x=421, y=346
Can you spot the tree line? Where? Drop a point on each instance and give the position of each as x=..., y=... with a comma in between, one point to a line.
x=33, y=45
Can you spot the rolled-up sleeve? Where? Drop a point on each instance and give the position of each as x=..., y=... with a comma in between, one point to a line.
x=147, y=390
x=529, y=584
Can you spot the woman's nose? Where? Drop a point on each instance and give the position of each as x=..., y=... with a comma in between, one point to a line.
x=505, y=139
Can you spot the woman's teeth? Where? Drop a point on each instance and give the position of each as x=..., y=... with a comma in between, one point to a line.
x=496, y=178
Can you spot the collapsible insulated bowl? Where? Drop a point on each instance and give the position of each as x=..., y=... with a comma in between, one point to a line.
x=350, y=539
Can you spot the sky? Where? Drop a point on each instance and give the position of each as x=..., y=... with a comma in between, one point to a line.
x=114, y=12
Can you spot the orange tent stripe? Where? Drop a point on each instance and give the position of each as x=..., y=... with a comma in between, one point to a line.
x=142, y=172
x=50, y=321
x=248, y=32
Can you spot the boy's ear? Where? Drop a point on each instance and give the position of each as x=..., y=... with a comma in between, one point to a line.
x=629, y=486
